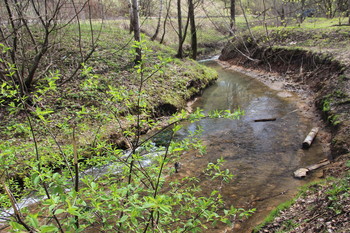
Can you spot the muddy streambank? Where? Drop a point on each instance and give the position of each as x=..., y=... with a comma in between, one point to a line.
x=323, y=82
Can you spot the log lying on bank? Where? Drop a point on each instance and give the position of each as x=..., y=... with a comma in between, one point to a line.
x=265, y=119
x=302, y=172
x=310, y=137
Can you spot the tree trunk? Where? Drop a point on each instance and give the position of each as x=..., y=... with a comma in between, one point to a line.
x=136, y=27
x=159, y=19
x=193, y=29
x=179, y=21
x=165, y=21
x=131, y=27
x=246, y=19
x=233, y=17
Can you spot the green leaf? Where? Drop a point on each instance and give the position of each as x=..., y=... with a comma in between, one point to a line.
x=33, y=219
x=73, y=210
x=59, y=211
x=123, y=219
x=36, y=180
x=165, y=209
x=17, y=226
x=47, y=228
x=94, y=185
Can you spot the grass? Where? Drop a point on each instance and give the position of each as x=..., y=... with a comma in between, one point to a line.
x=83, y=99
x=274, y=213
x=287, y=204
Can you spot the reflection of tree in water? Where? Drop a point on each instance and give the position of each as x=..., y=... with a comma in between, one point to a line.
x=236, y=94
x=227, y=95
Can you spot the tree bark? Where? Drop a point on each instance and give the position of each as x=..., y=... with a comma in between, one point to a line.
x=131, y=12
x=165, y=21
x=159, y=19
x=193, y=29
x=136, y=28
x=233, y=17
x=179, y=22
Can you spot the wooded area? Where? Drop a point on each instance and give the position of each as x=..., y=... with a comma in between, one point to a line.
x=88, y=84
x=16, y=16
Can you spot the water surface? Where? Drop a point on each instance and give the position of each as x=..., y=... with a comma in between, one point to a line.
x=261, y=155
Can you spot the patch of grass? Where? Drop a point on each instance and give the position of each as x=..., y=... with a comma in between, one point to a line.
x=334, y=120
x=348, y=163
x=340, y=94
x=339, y=190
x=326, y=105
x=274, y=213
x=285, y=205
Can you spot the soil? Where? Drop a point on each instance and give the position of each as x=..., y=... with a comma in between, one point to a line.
x=322, y=80
x=317, y=210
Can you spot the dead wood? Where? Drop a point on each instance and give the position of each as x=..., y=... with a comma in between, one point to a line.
x=310, y=137
x=265, y=119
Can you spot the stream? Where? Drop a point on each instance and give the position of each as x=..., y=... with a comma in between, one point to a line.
x=261, y=155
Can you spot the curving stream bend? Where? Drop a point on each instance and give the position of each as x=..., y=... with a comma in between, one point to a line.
x=261, y=155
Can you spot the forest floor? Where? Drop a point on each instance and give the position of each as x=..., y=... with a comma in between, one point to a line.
x=313, y=62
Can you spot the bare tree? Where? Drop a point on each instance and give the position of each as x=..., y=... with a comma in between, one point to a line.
x=159, y=20
x=34, y=30
x=246, y=19
x=165, y=21
x=232, y=17
x=145, y=7
x=136, y=27
x=191, y=17
x=180, y=35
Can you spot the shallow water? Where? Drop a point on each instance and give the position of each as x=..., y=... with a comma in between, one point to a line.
x=261, y=155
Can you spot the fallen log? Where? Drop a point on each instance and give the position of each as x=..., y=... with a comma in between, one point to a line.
x=302, y=172
x=318, y=165
x=310, y=137
x=265, y=119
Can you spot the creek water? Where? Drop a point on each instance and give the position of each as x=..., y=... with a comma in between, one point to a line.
x=261, y=155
